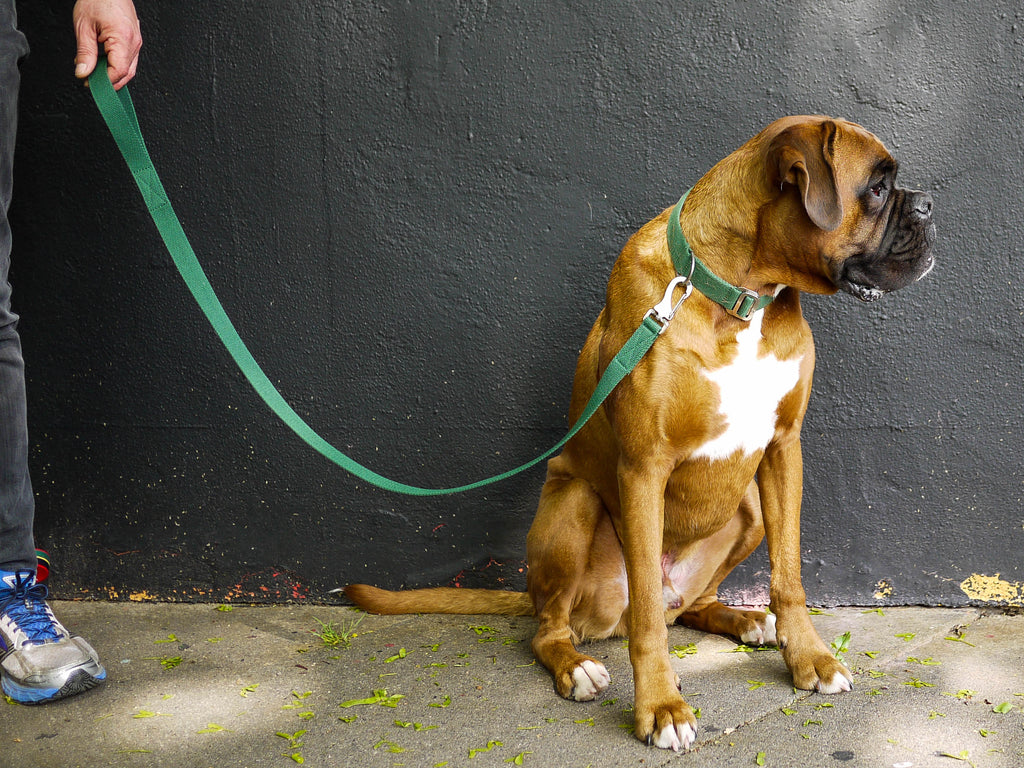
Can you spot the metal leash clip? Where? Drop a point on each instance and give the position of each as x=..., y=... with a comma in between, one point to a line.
x=665, y=310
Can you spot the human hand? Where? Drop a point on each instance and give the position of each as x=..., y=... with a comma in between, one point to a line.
x=113, y=24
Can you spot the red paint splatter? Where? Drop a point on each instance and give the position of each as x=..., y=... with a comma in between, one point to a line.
x=269, y=584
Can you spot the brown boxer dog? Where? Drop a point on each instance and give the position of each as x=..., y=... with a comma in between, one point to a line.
x=697, y=454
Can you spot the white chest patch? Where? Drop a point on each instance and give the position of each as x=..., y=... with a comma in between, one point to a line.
x=750, y=388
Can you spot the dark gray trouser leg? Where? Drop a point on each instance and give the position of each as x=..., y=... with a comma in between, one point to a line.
x=17, y=549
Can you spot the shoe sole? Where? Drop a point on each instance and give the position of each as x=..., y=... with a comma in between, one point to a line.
x=78, y=682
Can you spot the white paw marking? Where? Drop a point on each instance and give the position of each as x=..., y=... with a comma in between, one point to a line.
x=839, y=684
x=762, y=635
x=749, y=409
x=675, y=737
x=589, y=678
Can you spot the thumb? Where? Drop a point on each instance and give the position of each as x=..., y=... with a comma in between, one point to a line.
x=85, y=59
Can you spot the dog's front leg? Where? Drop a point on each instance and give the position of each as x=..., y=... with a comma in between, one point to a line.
x=780, y=479
x=661, y=717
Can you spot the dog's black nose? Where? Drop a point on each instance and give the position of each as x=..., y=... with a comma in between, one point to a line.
x=921, y=204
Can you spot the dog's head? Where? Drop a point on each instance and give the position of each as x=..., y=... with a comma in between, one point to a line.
x=843, y=219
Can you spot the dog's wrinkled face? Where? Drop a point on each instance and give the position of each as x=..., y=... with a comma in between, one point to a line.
x=901, y=251
x=864, y=235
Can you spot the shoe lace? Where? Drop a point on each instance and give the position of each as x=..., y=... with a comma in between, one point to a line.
x=26, y=606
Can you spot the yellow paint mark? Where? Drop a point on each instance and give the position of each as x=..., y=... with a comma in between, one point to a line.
x=992, y=589
x=140, y=597
x=883, y=589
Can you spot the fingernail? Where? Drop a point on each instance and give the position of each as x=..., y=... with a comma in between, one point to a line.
x=81, y=70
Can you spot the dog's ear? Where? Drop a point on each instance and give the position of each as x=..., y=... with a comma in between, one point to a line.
x=803, y=155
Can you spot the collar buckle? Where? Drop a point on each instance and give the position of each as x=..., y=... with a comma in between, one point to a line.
x=745, y=306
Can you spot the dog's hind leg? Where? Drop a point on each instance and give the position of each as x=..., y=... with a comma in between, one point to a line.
x=733, y=544
x=570, y=522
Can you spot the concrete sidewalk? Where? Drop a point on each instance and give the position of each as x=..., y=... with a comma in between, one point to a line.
x=191, y=686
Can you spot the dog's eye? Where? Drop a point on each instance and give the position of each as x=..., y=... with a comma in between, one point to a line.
x=879, y=189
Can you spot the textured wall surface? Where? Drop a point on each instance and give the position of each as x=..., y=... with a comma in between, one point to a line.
x=410, y=211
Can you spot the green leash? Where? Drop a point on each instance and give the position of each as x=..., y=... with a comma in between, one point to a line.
x=119, y=115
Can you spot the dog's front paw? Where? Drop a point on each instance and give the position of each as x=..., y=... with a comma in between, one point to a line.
x=668, y=726
x=762, y=632
x=675, y=737
x=820, y=672
x=589, y=678
x=841, y=682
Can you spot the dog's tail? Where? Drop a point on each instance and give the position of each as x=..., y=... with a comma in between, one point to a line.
x=440, y=600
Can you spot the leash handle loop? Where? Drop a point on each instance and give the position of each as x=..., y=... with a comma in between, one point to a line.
x=119, y=114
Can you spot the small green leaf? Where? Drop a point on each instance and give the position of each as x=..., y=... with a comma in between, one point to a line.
x=490, y=745
x=445, y=702
x=167, y=662
x=963, y=694
x=212, y=728
x=906, y=636
x=1003, y=708
x=518, y=759
x=788, y=712
x=841, y=645
x=402, y=653
x=225, y=608
x=379, y=697
x=415, y=726
x=679, y=651
x=960, y=639
x=915, y=683
x=392, y=747
x=963, y=756
x=759, y=760
x=244, y=693
x=170, y=639
x=743, y=648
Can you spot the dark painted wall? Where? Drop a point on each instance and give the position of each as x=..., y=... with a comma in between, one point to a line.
x=410, y=211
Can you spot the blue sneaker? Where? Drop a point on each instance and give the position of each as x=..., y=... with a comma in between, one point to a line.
x=40, y=660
